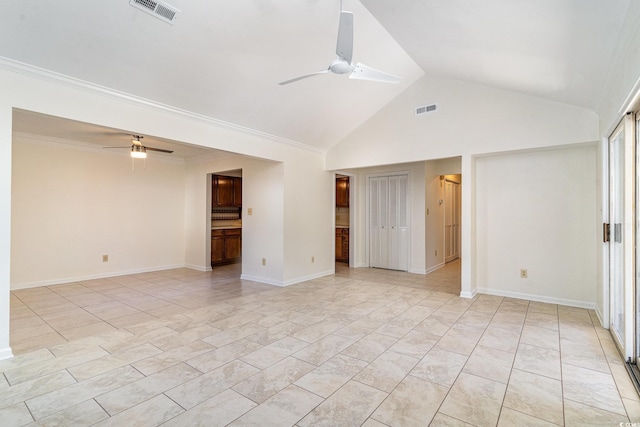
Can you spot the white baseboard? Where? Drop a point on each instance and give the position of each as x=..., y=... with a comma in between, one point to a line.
x=434, y=268
x=199, y=267
x=268, y=281
x=6, y=353
x=61, y=280
x=467, y=294
x=538, y=298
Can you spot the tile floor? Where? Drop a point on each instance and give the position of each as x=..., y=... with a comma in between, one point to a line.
x=364, y=347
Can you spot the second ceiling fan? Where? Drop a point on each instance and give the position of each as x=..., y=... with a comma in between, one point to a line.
x=344, y=51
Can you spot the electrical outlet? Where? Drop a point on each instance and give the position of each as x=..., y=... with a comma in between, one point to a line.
x=105, y=258
x=313, y=259
x=249, y=211
x=523, y=273
x=264, y=261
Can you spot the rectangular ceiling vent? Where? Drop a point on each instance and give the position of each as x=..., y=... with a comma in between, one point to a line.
x=425, y=109
x=156, y=8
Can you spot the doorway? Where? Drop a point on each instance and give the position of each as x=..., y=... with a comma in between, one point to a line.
x=452, y=217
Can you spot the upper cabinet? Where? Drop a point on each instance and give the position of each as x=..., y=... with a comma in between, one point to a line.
x=226, y=191
x=342, y=192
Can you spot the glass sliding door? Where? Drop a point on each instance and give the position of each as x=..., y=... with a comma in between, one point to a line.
x=622, y=235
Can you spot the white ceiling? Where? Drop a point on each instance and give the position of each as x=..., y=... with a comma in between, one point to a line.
x=223, y=59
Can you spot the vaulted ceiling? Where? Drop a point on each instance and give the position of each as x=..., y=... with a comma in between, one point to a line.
x=223, y=59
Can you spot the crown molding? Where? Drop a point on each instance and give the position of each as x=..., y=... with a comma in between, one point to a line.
x=78, y=84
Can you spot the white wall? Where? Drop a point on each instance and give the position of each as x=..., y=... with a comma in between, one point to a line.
x=5, y=225
x=72, y=205
x=537, y=210
x=470, y=119
x=262, y=232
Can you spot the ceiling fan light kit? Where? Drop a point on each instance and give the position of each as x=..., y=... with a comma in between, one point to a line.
x=344, y=51
x=138, y=152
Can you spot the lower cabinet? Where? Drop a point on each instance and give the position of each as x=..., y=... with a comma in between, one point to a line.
x=226, y=246
x=342, y=244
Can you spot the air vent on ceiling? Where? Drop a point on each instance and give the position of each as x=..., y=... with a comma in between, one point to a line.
x=156, y=8
x=425, y=109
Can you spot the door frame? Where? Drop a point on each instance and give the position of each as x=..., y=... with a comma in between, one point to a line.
x=353, y=210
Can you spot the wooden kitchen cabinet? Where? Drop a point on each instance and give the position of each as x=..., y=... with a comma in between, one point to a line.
x=226, y=246
x=226, y=191
x=217, y=247
x=342, y=244
x=342, y=192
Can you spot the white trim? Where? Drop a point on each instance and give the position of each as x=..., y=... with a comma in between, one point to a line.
x=288, y=282
x=468, y=294
x=435, y=267
x=418, y=271
x=63, y=280
x=199, y=267
x=78, y=84
x=539, y=298
x=6, y=353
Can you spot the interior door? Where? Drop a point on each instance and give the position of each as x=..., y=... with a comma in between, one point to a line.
x=388, y=222
x=622, y=235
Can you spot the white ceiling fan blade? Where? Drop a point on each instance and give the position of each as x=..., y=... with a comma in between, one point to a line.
x=286, y=82
x=364, y=72
x=344, y=46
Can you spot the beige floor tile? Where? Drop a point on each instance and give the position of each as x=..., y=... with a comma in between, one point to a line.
x=349, y=406
x=152, y=412
x=137, y=392
x=274, y=352
x=511, y=418
x=442, y=420
x=270, y=381
x=166, y=359
x=474, y=400
x=500, y=339
x=633, y=409
x=29, y=389
x=285, y=408
x=591, y=388
x=535, y=395
x=86, y=413
x=201, y=388
x=541, y=337
x=440, y=367
x=323, y=349
x=578, y=414
x=538, y=360
x=387, y=371
x=217, y=411
x=331, y=375
x=83, y=331
x=490, y=363
x=370, y=347
x=40, y=368
x=414, y=402
x=459, y=340
x=415, y=344
x=113, y=361
x=66, y=397
x=15, y=415
x=213, y=319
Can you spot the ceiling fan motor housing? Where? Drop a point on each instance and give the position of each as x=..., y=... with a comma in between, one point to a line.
x=340, y=66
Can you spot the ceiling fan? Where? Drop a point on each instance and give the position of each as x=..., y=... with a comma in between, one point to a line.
x=342, y=64
x=140, y=151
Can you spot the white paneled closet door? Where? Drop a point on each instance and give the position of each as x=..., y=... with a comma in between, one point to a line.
x=388, y=222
